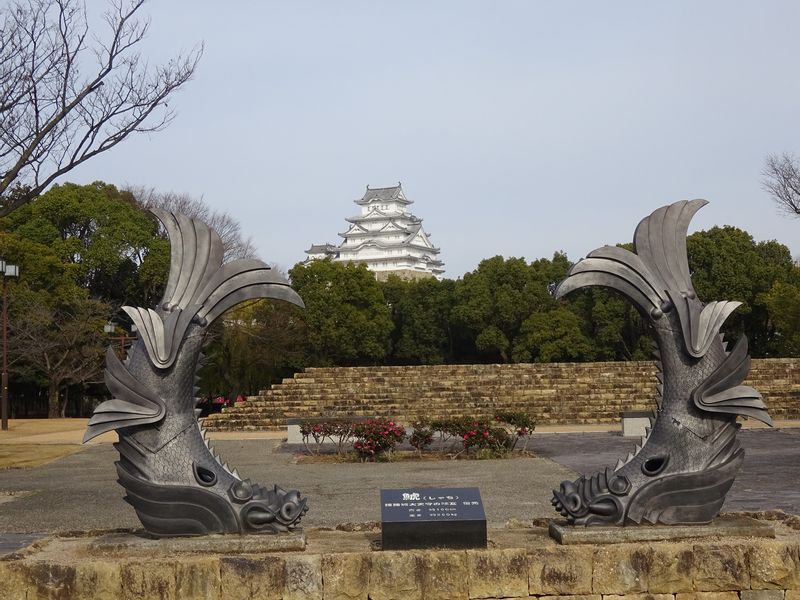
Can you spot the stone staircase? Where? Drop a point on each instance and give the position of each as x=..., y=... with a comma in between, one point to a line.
x=575, y=393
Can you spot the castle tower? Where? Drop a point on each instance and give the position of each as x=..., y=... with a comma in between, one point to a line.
x=387, y=237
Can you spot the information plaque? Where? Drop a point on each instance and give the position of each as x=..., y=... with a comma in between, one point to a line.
x=432, y=518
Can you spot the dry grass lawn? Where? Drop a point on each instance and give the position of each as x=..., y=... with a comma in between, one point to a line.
x=23, y=456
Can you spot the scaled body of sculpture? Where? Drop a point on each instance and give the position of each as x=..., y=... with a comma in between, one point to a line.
x=688, y=459
x=171, y=475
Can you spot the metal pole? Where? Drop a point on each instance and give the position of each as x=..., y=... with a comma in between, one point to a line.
x=4, y=383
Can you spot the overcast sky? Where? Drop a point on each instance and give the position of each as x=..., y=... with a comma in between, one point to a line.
x=517, y=127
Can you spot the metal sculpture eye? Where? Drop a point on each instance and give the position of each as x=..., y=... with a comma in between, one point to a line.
x=205, y=477
x=654, y=465
x=689, y=456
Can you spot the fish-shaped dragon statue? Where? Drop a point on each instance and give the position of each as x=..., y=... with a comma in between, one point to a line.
x=689, y=456
x=172, y=477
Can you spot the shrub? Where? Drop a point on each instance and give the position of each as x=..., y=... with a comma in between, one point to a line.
x=374, y=437
x=316, y=431
x=338, y=431
x=487, y=441
x=453, y=428
x=341, y=434
x=517, y=424
x=422, y=436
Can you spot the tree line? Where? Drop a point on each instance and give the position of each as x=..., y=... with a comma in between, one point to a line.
x=85, y=251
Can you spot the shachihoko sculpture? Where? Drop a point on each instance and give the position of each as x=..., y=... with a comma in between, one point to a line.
x=172, y=477
x=689, y=457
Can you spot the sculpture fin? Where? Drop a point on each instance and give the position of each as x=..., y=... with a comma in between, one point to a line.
x=660, y=241
x=133, y=402
x=195, y=252
x=700, y=324
x=722, y=392
x=200, y=288
x=594, y=271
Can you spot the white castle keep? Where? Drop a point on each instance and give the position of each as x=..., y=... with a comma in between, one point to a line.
x=386, y=237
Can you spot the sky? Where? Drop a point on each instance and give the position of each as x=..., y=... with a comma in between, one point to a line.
x=518, y=128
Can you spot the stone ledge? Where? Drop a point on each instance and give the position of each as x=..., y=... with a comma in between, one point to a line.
x=520, y=562
x=725, y=526
x=130, y=544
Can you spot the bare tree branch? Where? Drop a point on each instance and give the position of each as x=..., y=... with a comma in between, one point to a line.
x=781, y=180
x=62, y=342
x=229, y=230
x=52, y=117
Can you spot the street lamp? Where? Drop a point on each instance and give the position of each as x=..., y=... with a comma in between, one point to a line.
x=8, y=271
x=110, y=328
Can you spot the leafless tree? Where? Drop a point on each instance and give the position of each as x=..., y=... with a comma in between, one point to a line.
x=62, y=342
x=781, y=180
x=228, y=228
x=68, y=94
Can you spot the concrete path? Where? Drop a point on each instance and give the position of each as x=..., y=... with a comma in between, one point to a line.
x=79, y=492
x=770, y=476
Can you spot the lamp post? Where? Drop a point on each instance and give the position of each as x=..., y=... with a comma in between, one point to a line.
x=110, y=328
x=8, y=271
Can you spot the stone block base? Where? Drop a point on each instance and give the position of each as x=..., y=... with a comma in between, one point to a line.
x=519, y=563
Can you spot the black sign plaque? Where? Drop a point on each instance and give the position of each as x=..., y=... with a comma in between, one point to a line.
x=432, y=518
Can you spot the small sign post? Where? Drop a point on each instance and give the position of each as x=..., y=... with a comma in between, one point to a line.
x=432, y=518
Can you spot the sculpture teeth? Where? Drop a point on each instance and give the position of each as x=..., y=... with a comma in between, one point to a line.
x=637, y=449
x=197, y=412
x=629, y=458
x=647, y=431
x=644, y=440
x=236, y=474
x=660, y=375
x=619, y=465
x=660, y=389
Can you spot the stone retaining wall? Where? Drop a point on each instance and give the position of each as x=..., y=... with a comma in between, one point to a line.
x=337, y=565
x=555, y=393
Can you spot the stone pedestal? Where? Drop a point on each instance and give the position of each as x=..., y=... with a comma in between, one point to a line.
x=724, y=526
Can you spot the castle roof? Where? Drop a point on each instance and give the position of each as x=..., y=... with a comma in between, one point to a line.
x=408, y=242
x=391, y=227
x=387, y=194
x=377, y=214
x=322, y=249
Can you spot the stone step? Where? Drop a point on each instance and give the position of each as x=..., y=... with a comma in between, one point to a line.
x=566, y=392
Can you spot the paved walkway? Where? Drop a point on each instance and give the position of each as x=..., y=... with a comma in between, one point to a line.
x=70, y=431
x=79, y=492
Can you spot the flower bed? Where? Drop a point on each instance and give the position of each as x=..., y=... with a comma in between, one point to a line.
x=378, y=439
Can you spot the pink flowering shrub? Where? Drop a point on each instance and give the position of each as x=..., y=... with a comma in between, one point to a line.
x=338, y=431
x=374, y=437
x=316, y=432
x=483, y=437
